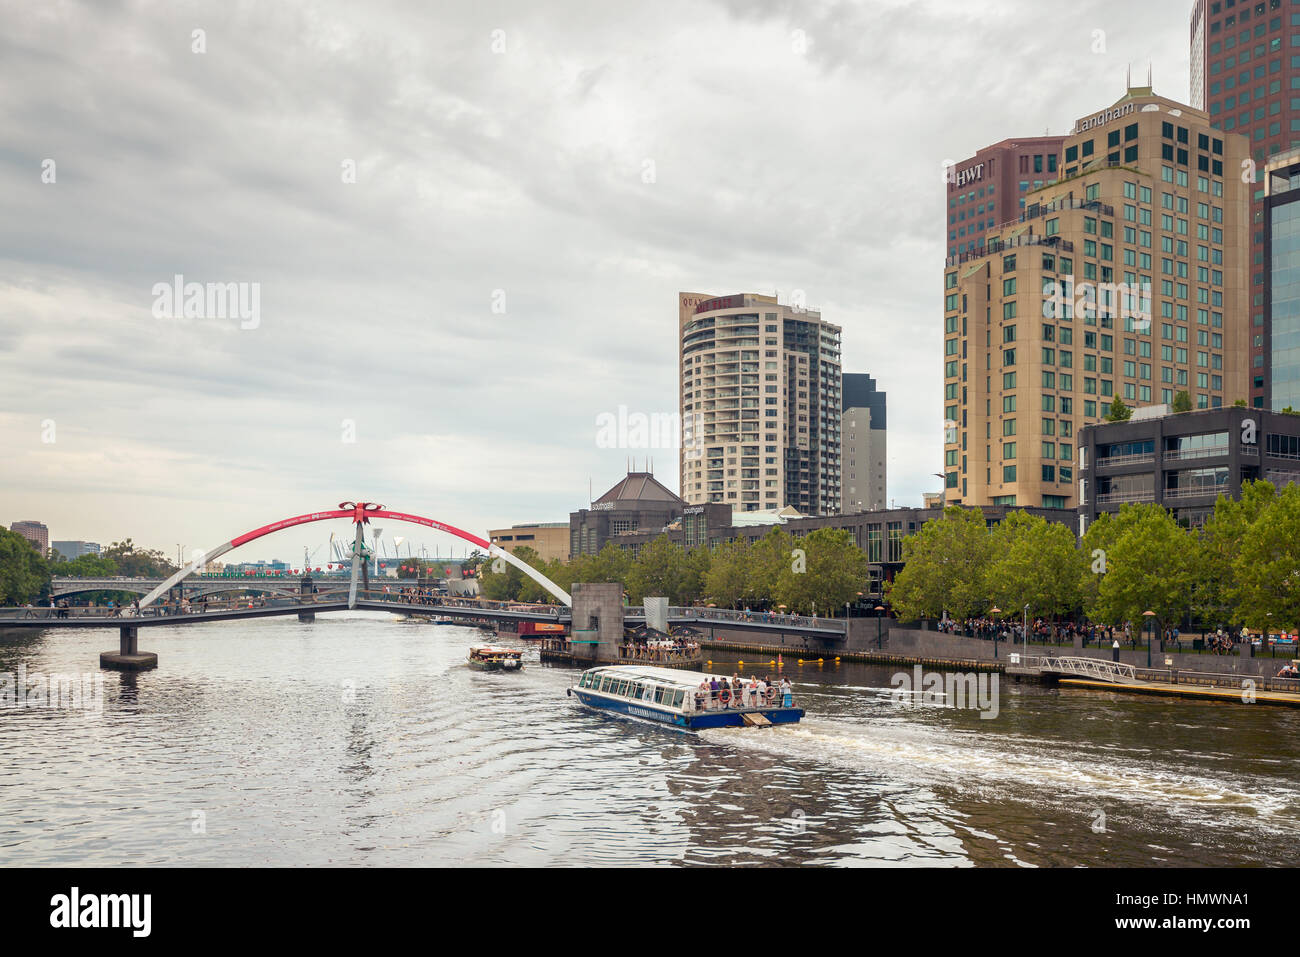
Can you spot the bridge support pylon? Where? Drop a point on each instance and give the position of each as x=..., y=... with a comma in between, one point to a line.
x=305, y=592
x=128, y=657
x=596, y=633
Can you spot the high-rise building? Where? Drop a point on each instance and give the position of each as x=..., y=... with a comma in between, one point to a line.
x=1282, y=281
x=990, y=188
x=864, y=448
x=36, y=533
x=72, y=549
x=1125, y=278
x=760, y=402
x=1245, y=75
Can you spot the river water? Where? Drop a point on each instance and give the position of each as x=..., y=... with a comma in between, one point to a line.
x=363, y=738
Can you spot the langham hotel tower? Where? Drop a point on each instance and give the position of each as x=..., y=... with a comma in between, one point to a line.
x=1126, y=275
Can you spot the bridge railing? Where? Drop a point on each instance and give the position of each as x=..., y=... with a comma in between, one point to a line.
x=759, y=617
x=1085, y=667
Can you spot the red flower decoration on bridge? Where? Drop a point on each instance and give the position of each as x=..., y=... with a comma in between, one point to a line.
x=359, y=510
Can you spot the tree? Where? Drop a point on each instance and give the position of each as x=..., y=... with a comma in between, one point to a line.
x=698, y=562
x=1036, y=563
x=24, y=574
x=658, y=569
x=85, y=566
x=530, y=590
x=1217, y=585
x=1267, y=566
x=1119, y=412
x=944, y=570
x=769, y=557
x=1183, y=401
x=1239, y=403
x=1149, y=566
x=498, y=580
x=728, y=573
x=135, y=562
x=832, y=572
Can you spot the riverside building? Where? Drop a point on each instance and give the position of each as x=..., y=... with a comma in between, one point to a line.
x=1184, y=461
x=1125, y=277
x=1245, y=73
x=990, y=187
x=760, y=398
x=864, y=449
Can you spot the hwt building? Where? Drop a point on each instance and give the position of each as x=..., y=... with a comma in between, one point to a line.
x=1125, y=277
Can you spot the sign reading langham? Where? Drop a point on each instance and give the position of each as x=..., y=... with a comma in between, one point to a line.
x=1105, y=116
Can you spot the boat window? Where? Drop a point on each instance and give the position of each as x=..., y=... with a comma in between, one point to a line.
x=605, y=683
x=678, y=698
x=659, y=694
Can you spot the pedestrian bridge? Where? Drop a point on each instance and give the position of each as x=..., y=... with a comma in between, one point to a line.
x=195, y=587
x=1075, y=666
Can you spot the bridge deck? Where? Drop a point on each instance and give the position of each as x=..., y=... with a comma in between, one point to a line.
x=48, y=617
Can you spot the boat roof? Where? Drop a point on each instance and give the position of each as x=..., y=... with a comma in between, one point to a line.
x=495, y=650
x=668, y=676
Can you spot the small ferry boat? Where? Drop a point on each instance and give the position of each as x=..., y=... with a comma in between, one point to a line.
x=675, y=698
x=495, y=658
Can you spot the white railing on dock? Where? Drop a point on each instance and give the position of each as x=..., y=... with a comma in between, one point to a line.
x=1097, y=668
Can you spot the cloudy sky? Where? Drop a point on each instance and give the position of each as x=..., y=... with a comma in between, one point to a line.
x=533, y=185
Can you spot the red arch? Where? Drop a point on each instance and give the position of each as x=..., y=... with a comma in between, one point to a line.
x=349, y=513
x=352, y=513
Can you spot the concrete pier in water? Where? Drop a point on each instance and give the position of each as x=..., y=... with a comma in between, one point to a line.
x=128, y=657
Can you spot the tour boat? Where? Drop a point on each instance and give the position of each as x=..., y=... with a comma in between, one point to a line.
x=495, y=658
x=669, y=696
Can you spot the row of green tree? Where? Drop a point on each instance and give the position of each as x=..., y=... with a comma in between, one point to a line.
x=25, y=575
x=1242, y=568
x=820, y=571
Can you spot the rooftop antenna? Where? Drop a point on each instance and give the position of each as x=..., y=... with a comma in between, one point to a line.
x=1149, y=83
x=1128, y=77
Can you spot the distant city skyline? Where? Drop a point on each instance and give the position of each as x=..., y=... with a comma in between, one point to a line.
x=432, y=247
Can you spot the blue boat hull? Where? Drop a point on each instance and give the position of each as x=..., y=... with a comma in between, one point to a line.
x=694, y=722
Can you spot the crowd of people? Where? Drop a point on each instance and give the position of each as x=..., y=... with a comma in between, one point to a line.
x=1045, y=631
x=716, y=694
x=670, y=649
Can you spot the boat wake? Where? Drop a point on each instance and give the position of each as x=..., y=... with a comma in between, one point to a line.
x=1031, y=770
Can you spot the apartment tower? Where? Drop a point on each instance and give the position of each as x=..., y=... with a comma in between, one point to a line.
x=760, y=403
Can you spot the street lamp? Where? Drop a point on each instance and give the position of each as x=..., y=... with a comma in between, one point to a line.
x=1026, y=633
x=943, y=489
x=880, y=644
x=1150, y=616
x=995, y=610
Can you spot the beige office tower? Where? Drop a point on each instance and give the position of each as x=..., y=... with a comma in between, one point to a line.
x=1126, y=277
x=760, y=404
